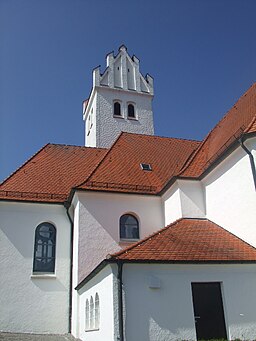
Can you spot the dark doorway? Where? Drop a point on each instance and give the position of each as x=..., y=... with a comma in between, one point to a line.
x=208, y=311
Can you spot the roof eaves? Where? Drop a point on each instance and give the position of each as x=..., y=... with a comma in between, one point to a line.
x=221, y=157
x=93, y=273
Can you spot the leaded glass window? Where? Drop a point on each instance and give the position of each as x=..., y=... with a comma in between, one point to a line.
x=44, y=251
x=129, y=227
x=97, y=311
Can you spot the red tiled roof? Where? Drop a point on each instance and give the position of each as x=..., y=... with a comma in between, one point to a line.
x=239, y=119
x=51, y=173
x=55, y=169
x=120, y=169
x=252, y=126
x=189, y=240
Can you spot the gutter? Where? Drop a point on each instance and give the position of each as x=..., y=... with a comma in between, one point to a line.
x=67, y=205
x=120, y=300
x=253, y=168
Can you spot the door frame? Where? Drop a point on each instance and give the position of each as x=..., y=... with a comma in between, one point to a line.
x=225, y=315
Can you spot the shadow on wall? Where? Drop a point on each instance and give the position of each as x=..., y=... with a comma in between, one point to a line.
x=160, y=317
x=48, y=284
x=22, y=242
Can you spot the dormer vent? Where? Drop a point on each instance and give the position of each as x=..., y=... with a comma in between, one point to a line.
x=146, y=166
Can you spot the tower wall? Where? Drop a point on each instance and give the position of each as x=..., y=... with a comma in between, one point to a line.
x=120, y=83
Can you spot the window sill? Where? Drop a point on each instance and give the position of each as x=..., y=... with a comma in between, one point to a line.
x=118, y=116
x=51, y=276
x=129, y=240
x=132, y=118
x=92, y=330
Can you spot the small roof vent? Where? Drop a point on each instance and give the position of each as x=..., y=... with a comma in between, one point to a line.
x=146, y=166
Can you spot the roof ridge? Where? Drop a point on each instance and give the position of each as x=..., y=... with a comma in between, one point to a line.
x=24, y=163
x=73, y=145
x=100, y=162
x=161, y=137
x=160, y=231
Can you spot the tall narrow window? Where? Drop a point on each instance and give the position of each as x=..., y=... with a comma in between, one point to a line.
x=44, y=250
x=87, y=315
x=131, y=111
x=129, y=227
x=117, y=109
x=97, y=311
x=91, y=313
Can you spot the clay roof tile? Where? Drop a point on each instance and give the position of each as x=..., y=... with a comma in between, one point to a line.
x=190, y=240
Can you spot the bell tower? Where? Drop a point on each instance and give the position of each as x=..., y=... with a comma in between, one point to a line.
x=120, y=100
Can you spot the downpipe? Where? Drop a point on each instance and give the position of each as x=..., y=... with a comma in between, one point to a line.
x=120, y=300
x=253, y=168
x=67, y=206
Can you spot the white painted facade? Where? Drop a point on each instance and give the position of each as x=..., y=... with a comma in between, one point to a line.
x=97, y=224
x=184, y=199
x=166, y=312
x=104, y=285
x=230, y=194
x=121, y=82
x=30, y=302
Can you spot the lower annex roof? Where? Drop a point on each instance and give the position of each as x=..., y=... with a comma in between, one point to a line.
x=189, y=240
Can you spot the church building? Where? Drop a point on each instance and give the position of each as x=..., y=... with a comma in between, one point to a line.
x=133, y=236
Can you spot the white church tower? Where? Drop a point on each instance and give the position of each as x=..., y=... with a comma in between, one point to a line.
x=120, y=100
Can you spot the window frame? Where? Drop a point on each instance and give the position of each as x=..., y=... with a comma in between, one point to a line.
x=50, y=270
x=126, y=238
x=134, y=110
x=97, y=311
x=92, y=313
x=121, y=115
x=87, y=314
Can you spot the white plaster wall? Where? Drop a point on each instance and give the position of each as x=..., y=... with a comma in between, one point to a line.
x=230, y=194
x=172, y=204
x=192, y=199
x=99, y=215
x=91, y=129
x=185, y=199
x=166, y=313
x=110, y=127
x=102, y=284
x=29, y=303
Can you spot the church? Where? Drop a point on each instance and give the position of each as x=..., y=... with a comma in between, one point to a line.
x=133, y=236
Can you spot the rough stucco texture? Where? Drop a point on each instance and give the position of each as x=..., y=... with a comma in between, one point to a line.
x=22, y=296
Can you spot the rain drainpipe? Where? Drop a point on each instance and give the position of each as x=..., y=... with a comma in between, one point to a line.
x=120, y=300
x=67, y=206
x=241, y=141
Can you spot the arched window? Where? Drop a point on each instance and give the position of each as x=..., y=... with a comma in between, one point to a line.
x=91, y=313
x=44, y=250
x=131, y=111
x=87, y=315
x=117, y=109
x=129, y=227
x=97, y=311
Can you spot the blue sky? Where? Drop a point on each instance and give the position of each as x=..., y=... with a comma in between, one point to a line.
x=201, y=53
